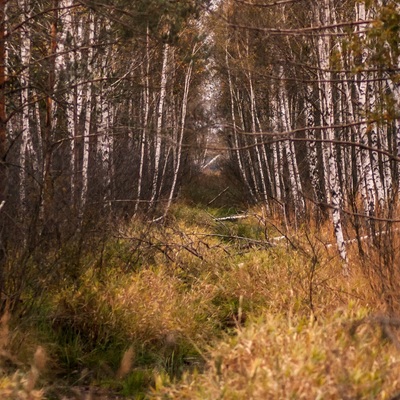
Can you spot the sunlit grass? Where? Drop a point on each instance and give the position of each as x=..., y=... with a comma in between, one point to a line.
x=276, y=357
x=185, y=310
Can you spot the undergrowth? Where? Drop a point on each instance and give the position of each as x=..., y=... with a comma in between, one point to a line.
x=276, y=357
x=202, y=308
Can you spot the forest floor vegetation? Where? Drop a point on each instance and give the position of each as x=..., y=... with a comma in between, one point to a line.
x=205, y=308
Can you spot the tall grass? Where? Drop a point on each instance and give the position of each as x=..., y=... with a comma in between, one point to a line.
x=276, y=357
x=192, y=309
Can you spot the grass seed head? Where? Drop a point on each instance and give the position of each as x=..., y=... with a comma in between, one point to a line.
x=40, y=358
x=126, y=363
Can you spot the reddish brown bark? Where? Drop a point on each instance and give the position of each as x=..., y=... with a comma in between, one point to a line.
x=3, y=117
x=3, y=137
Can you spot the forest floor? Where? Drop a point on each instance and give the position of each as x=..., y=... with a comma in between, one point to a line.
x=206, y=307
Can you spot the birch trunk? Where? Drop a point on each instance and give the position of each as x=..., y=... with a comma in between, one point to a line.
x=247, y=154
x=362, y=93
x=69, y=63
x=146, y=103
x=158, y=134
x=327, y=110
x=312, y=153
x=276, y=149
x=374, y=157
x=181, y=135
x=38, y=139
x=47, y=195
x=294, y=178
x=87, y=124
x=236, y=151
x=25, y=54
x=256, y=147
x=104, y=144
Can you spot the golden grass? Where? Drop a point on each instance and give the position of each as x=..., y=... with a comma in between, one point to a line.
x=277, y=357
x=294, y=311
x=151, y=310
x=273, y=322
x=19, y=385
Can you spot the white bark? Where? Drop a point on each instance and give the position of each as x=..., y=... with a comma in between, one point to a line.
x=158, y=134
x=362, y=93
x=104, y=142
x=327, y=109
x=277, y=175
x=395, y=87
x=276, y=149
x=181, y=133
x=247, y=154
x=68, y=60
x=348, y=80
x=312, y=153
x=237, y=152
x=88, y=120
x=26, y=142
x=373, y=154
x=257, y=146
x=387, y=172
x=294, y=178
x=75, y=109
x=146, y=111
x=38, y=123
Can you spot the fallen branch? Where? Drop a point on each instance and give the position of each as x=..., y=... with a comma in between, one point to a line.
x=218, y=195
x=365, y=237
x=232, y=217
x=211, y=162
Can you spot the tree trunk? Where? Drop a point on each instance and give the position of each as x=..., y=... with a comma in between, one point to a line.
x=256, y=143
x=158, y=134
x=327, y=110
x=181, y=133
x=312, y=153
x=145, y=120
x=87, y=124
x=236, y=151
x=294, y=178
x=25, y=136
x=48, y=189
x=3, y=141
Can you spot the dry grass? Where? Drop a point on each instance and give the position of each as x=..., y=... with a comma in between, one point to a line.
x=21, y=384
x=271, y=321
x=146, y=307
x=378, y=260
x=126, y=363
x=4, y=330
x=289, y=358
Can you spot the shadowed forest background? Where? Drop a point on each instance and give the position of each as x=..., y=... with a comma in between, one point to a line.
x=199, y=199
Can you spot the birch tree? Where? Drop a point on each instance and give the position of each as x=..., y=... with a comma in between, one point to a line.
x=182, y=126
x=158, y=140
x=25, y=135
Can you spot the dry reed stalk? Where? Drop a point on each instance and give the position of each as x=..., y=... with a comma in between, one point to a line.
x=5, y=329
x=126, y=363
x=39, y=363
